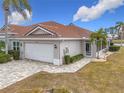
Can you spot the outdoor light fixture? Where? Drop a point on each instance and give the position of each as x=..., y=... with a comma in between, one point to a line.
x=55, y=46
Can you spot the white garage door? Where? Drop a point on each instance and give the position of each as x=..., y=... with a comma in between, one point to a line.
x=40, y=52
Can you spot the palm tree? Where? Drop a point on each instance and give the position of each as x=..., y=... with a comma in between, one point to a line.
x=100, y=37
x=10, y=6
x=119, y=26
x=112, y=31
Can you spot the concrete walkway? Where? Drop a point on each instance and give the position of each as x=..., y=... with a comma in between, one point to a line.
x=17, y=70
x=119, y=44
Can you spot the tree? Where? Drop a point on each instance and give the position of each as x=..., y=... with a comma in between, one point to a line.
x=119, y=26
x=100, y=37
x=112, y=31
x=10, y=6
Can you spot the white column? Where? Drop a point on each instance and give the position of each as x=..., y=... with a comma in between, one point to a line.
x=101, y=44
x=94, y=49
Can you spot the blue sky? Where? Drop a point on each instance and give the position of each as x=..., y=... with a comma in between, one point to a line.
x=62, y=11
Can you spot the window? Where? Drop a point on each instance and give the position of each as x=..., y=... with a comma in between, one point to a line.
x=16, y=45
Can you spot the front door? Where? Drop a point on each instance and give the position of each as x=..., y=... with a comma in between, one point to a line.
x=88, y=49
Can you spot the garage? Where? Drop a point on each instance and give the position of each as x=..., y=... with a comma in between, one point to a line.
x=39, y=52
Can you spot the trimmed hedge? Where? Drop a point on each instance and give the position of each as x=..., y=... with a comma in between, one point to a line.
x=111, y=44
x=72, y=59
x=76, y=58
x=4, y=58
x=114, y=48
x=67, y=59
x=15, y=54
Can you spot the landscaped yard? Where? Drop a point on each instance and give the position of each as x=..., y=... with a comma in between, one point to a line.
x=118, y=41
x=100, y=77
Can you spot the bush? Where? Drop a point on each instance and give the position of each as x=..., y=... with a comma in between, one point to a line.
x=2, y=45
x=4, y=58
x=72, y=59
x=67, y=59
x=2, y=52
x=10, y=52
x=15, y=54
x=76, y=58
x=111, y=44
x=114, y=48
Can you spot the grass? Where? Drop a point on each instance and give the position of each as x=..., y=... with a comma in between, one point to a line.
x=118, y=41
x=96, y=77
x=62, y=90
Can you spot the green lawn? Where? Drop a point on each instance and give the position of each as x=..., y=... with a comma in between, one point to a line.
x=96, y=77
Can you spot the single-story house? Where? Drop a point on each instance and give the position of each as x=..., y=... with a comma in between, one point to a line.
x=49, y=41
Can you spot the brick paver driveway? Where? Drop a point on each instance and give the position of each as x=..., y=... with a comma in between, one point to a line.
x=17, y=70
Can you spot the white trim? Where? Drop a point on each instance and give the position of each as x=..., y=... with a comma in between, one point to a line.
x=38, y=27
x=10, y=33
x=49, y=38
x=2, y=28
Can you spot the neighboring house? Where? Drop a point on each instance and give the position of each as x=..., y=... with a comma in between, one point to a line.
x=121, y=33
x=111, y=36
x=49, y=41
x=112, y=33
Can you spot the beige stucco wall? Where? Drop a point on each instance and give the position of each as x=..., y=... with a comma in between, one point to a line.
x=74, y=48
x=56, y=50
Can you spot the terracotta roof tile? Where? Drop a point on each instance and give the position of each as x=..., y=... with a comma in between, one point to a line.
x=69, y=31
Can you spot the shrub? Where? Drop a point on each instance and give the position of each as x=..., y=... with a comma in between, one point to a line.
x=114, y=48
x=15, y=54
x=67, y=59
x=2, y=52
x=111, y=44
x=4, y=58
x=10, y=52
x=72, y=59
x=2, y=45
x=76, y=58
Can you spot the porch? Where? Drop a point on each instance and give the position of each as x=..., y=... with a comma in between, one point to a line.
x=92, y=50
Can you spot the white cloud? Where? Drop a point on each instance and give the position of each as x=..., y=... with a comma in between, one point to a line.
x=16, y=18
x=87, y=14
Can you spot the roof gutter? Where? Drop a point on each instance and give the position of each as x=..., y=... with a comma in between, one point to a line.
x=50, y=39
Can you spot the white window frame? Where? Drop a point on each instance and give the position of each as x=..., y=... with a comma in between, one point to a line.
x=16, y=46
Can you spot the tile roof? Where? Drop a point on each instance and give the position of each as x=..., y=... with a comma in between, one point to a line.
x=60, y=30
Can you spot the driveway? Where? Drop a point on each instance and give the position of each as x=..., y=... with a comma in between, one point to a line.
x=17, y=70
